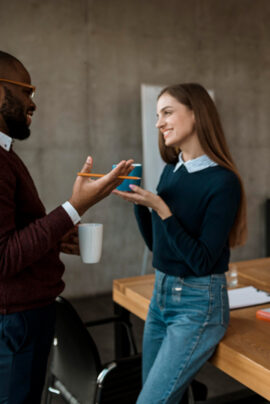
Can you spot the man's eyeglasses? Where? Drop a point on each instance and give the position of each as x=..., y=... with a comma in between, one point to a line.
x=18, y=83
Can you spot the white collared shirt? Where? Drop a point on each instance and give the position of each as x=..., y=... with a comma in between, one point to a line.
x=200, y=163
x=6, y=142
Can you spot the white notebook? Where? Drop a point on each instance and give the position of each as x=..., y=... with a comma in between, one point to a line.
x=247, y=296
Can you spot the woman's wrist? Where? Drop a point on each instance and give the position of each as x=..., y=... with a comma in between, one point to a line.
x=165, y=214
x=163, y=210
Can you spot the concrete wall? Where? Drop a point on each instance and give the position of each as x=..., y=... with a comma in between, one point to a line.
x=88, y=59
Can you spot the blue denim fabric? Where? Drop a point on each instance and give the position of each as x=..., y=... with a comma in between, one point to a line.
x=25, y=341
x=186, y=320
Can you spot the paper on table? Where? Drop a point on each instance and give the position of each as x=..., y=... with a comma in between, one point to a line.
x=247, y=296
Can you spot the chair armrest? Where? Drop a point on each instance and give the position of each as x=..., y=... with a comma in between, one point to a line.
x=120, y=379
x=102, y=321
x=116, y=319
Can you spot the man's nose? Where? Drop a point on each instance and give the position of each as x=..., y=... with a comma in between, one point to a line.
x=33, y=105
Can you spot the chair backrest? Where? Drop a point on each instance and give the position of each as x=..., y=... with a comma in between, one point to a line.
x=75, y=359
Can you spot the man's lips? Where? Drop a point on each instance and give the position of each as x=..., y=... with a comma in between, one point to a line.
x=29, y=118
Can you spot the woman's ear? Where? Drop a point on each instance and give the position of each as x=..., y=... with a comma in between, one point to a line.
x=193, y=116
x=194, y=121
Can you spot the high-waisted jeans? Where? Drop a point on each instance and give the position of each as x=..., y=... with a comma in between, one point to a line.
x=186, y=320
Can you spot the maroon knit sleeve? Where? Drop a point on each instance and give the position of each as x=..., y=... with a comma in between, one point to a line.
x=21, y=246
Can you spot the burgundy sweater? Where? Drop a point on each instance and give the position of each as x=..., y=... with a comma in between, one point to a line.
x=30, y=268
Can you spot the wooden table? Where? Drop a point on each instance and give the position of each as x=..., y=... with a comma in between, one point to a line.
x=244, y=352
x=255, y=272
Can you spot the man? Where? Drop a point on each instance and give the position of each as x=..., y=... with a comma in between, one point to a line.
x=30, y=242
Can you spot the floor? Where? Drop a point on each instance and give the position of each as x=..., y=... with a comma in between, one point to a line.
x=221, y=388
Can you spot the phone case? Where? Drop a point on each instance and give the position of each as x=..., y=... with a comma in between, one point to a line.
x=263, y=314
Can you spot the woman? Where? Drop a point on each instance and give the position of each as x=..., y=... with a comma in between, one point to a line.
x=199, y=212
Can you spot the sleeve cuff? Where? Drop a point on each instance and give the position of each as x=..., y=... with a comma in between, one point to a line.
x=72, y=212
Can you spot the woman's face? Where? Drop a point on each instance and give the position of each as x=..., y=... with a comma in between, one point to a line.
x=175, y=121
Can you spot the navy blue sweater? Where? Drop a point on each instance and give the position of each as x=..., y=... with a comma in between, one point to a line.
x=194, y=240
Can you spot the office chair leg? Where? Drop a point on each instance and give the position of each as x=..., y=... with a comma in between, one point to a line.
x=48, y=394
x=121, y=341
x=188, y=397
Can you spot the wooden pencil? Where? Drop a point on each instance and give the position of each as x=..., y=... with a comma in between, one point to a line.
x=122, y=177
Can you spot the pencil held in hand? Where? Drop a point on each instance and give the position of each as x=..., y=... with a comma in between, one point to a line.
x=122, y=177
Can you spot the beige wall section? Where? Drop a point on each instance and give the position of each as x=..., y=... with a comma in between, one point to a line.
x=88, y=59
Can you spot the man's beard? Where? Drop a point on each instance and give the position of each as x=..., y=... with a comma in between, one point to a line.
x=13, y=113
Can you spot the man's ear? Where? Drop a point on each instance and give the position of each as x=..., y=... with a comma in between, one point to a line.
x=2, y=96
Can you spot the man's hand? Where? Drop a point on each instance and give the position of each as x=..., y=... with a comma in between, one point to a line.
x=87, y=192
x=69, y=244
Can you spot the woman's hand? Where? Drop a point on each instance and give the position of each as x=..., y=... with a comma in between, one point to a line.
x=140, y=196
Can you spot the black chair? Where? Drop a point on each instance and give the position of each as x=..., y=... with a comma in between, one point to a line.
x=76, y=372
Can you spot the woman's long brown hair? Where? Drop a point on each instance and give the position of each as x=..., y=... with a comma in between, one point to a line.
x=212, y=139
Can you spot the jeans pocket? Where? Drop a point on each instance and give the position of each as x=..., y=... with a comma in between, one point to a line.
x=225, y=311
x=14, y=331
x=219, y=306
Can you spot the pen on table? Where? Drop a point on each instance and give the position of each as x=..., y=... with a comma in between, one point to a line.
x=122, y=177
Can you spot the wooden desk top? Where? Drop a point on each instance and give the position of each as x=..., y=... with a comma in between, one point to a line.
x=244, y=352
x=255, y=272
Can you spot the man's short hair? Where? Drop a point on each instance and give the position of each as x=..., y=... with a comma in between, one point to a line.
x=7, y=62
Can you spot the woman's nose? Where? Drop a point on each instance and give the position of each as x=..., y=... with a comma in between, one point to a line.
x=159, y=123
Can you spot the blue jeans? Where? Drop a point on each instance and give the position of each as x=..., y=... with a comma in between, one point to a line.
x=186, y=320
x=25, y=341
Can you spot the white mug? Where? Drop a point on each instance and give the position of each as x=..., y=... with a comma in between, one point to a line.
x=90, y=242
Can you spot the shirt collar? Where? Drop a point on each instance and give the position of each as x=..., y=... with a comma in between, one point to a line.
x=5, y=141
x=198, y=164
